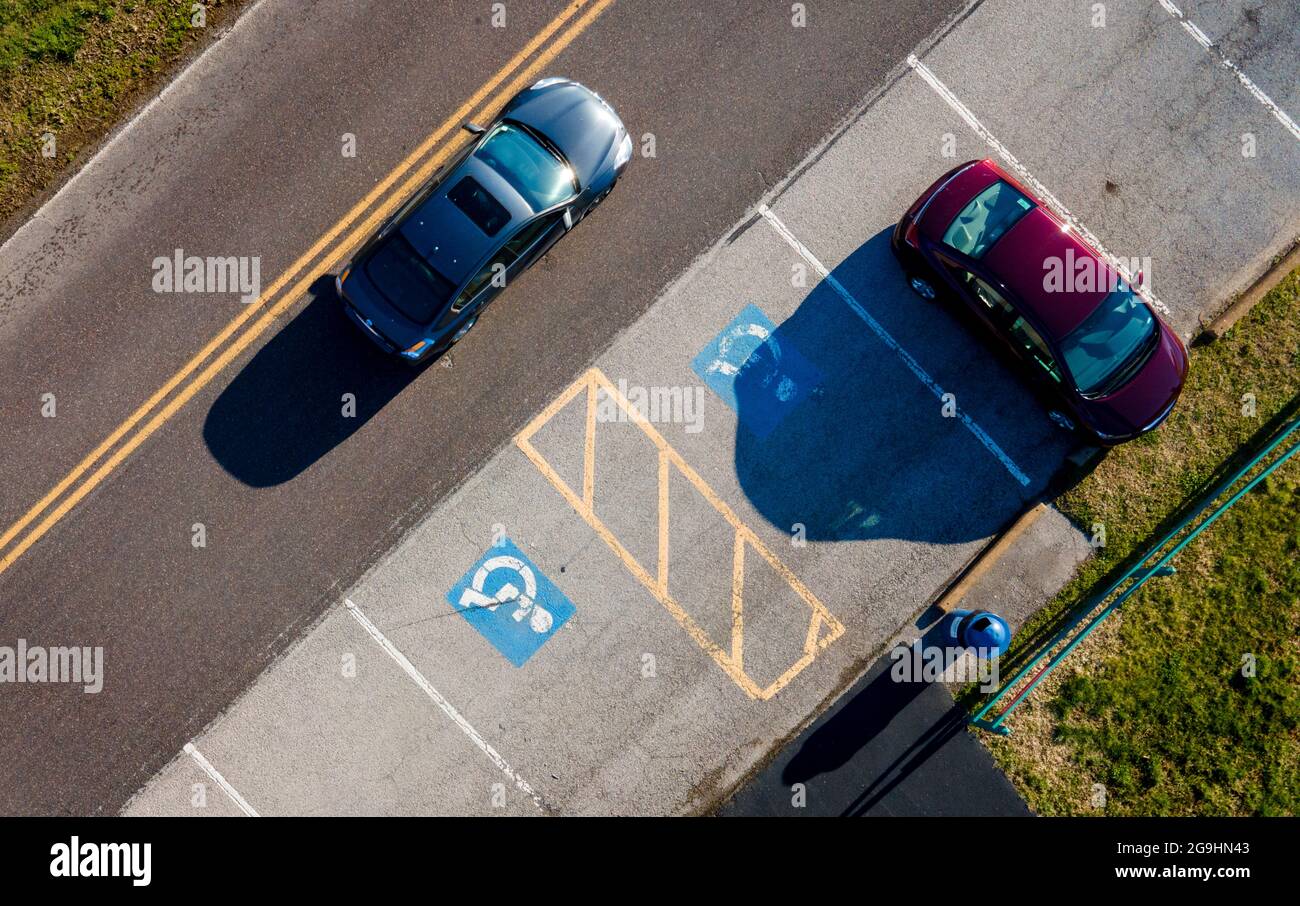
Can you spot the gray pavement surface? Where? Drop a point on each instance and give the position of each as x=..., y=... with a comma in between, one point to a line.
x=700, y=594
x=884, y=749
x=242, y=157
x=719, y=587
x=887, y=748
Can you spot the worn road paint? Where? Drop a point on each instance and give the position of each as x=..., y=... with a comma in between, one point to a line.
x=759, y=375
x=192, y=751
x=443, y=705
x=1256, y=92
x=823, y=627
x=1023, y=174
x=884, y=336
x=510, y=602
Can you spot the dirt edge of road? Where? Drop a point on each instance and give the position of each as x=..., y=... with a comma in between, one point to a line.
x=92, y=136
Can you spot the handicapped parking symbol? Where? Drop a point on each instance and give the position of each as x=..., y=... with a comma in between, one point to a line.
x=516, y=620
x=539, y=618
x=754, y=373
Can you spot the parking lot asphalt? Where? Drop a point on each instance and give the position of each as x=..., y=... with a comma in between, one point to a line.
x=884, y=749
x=243, y=156
x=897, y=744
x=627, y=607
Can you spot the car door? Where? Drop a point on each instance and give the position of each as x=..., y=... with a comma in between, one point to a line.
x=1002, y=316
x=534, y=240
x=1035, y=352
x=1021, y=337
x=979, y=294
x=482, y=287
x=528, y=244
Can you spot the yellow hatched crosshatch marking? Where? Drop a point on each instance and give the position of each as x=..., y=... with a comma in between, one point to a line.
x=823, y=627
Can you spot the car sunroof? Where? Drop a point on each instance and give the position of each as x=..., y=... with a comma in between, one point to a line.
x=488, y=214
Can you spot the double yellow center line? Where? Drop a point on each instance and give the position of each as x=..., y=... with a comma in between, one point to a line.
x=349, y=232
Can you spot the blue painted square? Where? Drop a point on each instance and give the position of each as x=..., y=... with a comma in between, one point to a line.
x=757, y=374
x=510, y=602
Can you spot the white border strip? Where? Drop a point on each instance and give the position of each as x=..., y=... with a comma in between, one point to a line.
x=1202, y=39
x=1028, y=178
x=193, y=752
x=418, y=678
x=889, y=341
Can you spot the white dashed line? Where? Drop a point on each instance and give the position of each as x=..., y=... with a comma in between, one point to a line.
x=220, y=781
x=1203, y=39
x=418, y=678
x=889, y=341
x=1028, y=178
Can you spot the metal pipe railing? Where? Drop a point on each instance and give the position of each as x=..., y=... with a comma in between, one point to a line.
x=1138, y=570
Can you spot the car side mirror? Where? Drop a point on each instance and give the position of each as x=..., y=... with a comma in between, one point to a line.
x=568, y=218
x=473, y=128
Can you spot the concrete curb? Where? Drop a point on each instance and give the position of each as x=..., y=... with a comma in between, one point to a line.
x=1077, y=463
x=1258, y=290
x=988, y=557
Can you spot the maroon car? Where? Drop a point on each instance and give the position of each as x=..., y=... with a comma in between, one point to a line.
x=1111, y=367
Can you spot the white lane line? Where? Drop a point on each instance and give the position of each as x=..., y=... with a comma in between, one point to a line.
x=418, y=678
x=1202, y=39
x=220, y=781
x=889, y=341
x=1028, y=178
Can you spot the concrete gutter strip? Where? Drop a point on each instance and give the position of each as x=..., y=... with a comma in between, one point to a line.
x=1250, y=298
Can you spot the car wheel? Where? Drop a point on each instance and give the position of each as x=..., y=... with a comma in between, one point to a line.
x=922, y=287
x=460, y=334
x=1061, y=420
x=596, y=203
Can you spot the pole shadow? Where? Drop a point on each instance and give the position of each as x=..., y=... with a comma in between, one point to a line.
x=889, y=733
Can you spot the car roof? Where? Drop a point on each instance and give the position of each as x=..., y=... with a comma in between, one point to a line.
x=574, y=119
x=1021, y=260
x=445, y=236
x=1018, y=258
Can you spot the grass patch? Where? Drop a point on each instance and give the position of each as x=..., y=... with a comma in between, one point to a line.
x=1155, y=708
x=71, y=69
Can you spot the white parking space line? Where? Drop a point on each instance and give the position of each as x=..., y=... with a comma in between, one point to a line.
x=1028, y=178
x=1203, y=39
x=418, y=678
x=193, y=752
x=889, y=341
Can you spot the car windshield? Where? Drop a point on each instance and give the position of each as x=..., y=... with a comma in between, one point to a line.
x=541, y=177
x=982, y=222
x=408, y=281
x=1108, y=338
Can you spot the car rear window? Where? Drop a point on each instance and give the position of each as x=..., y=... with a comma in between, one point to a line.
x=488, y=214
x=408, y=281
x=983, y=222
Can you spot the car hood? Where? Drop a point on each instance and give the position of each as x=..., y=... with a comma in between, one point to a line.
x=576, y=120
x=1147, y=398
